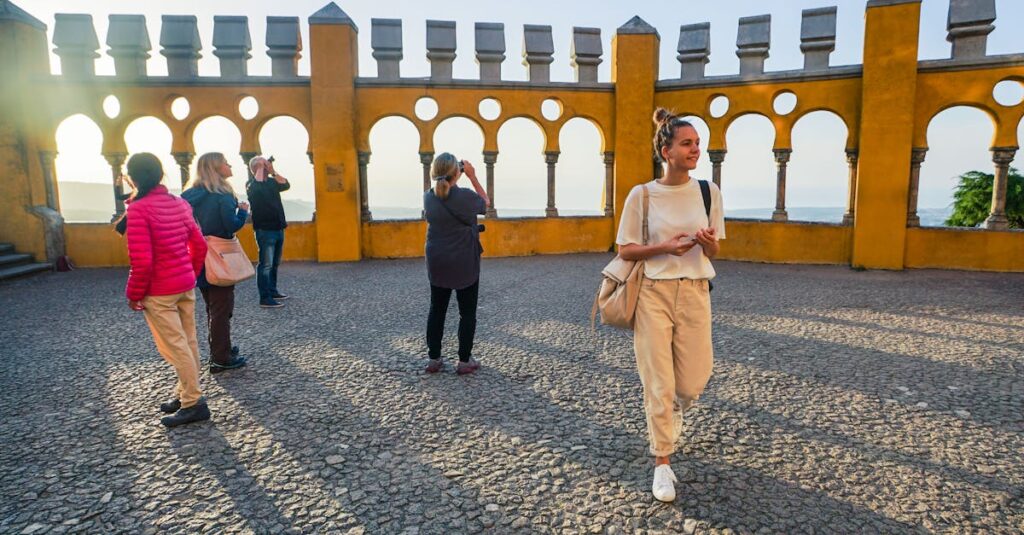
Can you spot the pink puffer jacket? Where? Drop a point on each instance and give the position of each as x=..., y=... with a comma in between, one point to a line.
x=165, y=247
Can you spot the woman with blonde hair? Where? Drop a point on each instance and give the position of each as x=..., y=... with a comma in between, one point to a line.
x=219, y=214
x=672, y=326
x=453, y=256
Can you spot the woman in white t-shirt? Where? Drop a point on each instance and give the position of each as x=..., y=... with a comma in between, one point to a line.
x=672, y=329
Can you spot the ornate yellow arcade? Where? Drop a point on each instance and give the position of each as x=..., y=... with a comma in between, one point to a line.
x=886, y=104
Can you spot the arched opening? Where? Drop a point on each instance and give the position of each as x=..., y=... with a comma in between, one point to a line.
x=286, y=139
x=394, y=175
x=959, y=141
x=219, y=134
x=748, y=173
x=817, y=180
x=84, y=183
x=520, y=176
x=580, y=176
x=463, y=138
x=149, y=134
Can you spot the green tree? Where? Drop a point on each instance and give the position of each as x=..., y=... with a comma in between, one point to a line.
x=972, y=199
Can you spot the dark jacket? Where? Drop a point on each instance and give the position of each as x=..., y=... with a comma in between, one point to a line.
x=265, y=201
x=453, y=238
x=217, y=214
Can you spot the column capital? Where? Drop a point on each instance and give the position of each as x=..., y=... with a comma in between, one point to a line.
x=782, y=155
x=716, y=155
x=917, y=155
x=852, y=155
x=490, y=157
x=551, y=156
x=426, y=158
x=1003, y=155
x=116, y=158
x=183, y=159
x=609, y=157
x=364, y=157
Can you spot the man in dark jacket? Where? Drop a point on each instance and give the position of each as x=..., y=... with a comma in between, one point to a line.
x=268, y=220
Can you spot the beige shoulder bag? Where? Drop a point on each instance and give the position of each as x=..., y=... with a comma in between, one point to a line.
x=226, y=262
x=620, y=289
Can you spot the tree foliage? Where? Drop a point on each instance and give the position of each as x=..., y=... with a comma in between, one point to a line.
x=972, y=200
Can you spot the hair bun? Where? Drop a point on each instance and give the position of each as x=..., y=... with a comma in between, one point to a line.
x=661, y=116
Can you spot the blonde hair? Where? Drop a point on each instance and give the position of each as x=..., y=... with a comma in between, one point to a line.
x=208, y=177
x=444, y=170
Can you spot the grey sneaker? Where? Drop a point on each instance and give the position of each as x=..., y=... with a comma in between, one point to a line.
x=467, y=367
x=434, y=365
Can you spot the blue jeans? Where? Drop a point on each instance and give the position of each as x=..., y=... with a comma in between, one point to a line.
x=270, y=244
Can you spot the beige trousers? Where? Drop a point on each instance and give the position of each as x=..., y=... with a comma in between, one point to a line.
x=672, y=340
x=172, y=319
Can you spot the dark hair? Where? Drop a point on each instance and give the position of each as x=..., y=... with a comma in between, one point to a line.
x=666, y=122
x=146, y=172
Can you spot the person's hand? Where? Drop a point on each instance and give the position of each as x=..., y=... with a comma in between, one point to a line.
x=706, y=236
x=468, y=169
x=135, y=305
x=678, y=245
x=270, y=167
x=242, y=205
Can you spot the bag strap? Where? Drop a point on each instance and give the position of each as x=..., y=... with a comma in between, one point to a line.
x=450, y=212
x=705, y=192
x=647, y=203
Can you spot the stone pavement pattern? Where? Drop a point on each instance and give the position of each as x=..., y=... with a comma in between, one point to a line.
x=842, y=401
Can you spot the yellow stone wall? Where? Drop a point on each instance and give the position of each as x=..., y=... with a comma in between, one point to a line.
x=886, y=105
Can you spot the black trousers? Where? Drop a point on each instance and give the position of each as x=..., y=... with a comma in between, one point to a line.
x=220, y=304
x=439, y=298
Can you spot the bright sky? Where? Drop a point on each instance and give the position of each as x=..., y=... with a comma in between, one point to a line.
x=959, y=139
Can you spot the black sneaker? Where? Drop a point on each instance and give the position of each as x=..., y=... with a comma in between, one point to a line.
x=270, y=303
x=195, y=413
x=170, y=407
x=233, y=364
x=279, y=296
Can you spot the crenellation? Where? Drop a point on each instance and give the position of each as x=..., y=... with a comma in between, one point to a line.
x=284, y=46
x=968, y=24
x=538, y=52
x=586, y=53
x=75, y=38
x=752, y=43
x=818, y=37
x=386, y=40
x=694, y=50
x=490, y=49
x=180, y=44
x=441, y=49
x=232, y=44
x=128, y=39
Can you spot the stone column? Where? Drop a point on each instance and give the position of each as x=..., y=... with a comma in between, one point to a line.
x=184, y=160
x=851, y=161
x=116, y=161
x=490, y=158
x=1001, y=156
x=551, y=158
x=246, y=156
x=916, y=159
x=609, y=183
x=717, y=156
x=426, y=158
x=364, y=204
x=781, y=159
x=46, y=161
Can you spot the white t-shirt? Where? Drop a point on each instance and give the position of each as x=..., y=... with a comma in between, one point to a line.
x=673, y=209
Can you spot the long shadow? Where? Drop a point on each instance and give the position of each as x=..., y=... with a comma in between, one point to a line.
x=603, y=444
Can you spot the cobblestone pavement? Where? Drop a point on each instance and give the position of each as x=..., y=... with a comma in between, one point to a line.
x=842, y=401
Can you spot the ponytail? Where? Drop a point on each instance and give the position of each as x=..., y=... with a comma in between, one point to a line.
x=444, y=170
x=442, y=187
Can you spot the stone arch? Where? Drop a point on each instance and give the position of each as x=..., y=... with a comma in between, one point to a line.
x=84, y=183
x=748, y=173
x=216, y=133
x=817, y=187
x=151, y=134
x=394, y=174
x=958, y=140
x=455, y=134
x=286, y=139
x=520, y=183
x=580, y=179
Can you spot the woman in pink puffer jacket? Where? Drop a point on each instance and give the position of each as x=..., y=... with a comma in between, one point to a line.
x=166, y=251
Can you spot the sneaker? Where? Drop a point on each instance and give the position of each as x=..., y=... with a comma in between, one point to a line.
x=467, y=367
x=170, y=407
x=664, y=488
x=235, y=363
x=279, y=296
x=195, y=413
x=270, y=303
x=234, y=351
x=435, y=365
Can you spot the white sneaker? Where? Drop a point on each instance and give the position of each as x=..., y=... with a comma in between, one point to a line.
x=664, y=488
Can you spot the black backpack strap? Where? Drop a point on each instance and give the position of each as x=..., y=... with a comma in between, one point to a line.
x=705, y=192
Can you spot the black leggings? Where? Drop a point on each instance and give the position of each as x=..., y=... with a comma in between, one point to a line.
x=439, y=298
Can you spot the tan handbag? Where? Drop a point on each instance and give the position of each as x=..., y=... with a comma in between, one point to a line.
x=620, y=289
x=226, y=262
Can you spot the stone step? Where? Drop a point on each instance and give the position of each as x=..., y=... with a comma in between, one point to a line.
x=13, y=259
x=6, y=248
x=7, y=273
